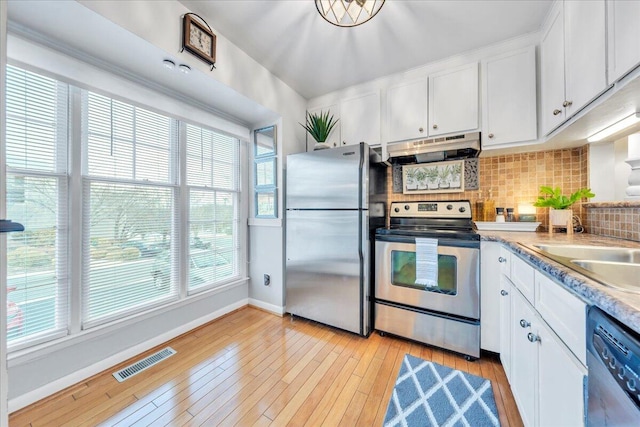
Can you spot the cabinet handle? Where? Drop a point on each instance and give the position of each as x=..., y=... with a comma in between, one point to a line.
x=524, y=323
x=421, y=130
x=567, y=103
x=344, y=142
x=556, y=112
x=334, y=144
x=490, y=135
x=502, y=260
x=504, y=293
x=435, y=126
x=533, y=337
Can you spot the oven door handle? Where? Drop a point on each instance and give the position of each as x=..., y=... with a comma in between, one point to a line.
x=456, y=243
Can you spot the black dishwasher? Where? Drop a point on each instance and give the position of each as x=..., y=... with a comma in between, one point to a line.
x=613, y=360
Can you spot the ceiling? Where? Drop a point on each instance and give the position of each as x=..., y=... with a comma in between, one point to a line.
x=292, y=40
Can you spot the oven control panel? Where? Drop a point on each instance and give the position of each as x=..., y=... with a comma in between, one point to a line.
x=444, y=209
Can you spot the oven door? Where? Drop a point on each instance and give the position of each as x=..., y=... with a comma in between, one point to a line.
x=458, y=290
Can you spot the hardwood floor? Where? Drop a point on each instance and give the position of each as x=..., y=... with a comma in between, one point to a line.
x=251, y=368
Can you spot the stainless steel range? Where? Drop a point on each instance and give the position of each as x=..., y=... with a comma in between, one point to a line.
x=446, y=311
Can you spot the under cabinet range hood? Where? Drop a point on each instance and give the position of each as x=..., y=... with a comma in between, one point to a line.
x=436, y=149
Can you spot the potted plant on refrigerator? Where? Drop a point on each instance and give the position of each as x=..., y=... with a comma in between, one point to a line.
x=559, y=213
x=319, y=126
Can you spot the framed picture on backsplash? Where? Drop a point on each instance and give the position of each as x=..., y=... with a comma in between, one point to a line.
x=428, y=178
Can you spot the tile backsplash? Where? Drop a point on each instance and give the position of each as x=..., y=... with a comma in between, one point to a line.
x=615, y=219
x=516, y=178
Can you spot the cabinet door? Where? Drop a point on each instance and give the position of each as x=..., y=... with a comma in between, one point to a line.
x=585, y=58
x=524, y=357
x=623, y=37
x=453, y=100
x=407, y=111
x=334, y=137
x=490, y=300
x=552, y=72
x=561, y=381
x=360, y=119
x=509, y=98
x=505, y=325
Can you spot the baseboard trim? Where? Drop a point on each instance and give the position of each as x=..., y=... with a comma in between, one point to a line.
x=60, y=384
x=271, y=308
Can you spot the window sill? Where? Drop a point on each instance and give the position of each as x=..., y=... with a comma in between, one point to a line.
x=264, y=222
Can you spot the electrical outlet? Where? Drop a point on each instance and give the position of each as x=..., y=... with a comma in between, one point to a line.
x=267, y=280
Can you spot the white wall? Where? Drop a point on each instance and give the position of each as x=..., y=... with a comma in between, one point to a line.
x=608, y=171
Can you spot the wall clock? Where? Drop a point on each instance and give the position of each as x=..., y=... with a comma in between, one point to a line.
x=199, y=40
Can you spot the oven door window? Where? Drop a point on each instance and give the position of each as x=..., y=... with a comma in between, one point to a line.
x=403, y=273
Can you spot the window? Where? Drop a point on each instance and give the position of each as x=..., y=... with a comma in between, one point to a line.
x=130, y=191
x=213, y=170
x=142, y=172
x=36, y=147
x=264, y=172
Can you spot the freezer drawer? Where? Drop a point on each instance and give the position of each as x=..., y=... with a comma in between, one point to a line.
x=327, y=273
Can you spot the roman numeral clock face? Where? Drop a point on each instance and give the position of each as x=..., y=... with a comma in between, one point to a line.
x=200, y=40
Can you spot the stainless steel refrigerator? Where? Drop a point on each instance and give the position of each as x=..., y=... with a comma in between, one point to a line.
x=335, y=199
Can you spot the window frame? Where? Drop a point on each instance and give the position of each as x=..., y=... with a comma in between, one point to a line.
x=265, y=189
x=74, y=232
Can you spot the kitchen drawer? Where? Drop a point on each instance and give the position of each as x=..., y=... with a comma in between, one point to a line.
x=522, y=276
x=564, y=313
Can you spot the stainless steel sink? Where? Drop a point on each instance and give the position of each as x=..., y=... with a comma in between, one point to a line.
x=595, y=253
x=615, y=267
x=620, y=275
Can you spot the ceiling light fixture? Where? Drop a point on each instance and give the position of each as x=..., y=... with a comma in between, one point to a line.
x=348, y=13
x=184, y=68
x=615, y=128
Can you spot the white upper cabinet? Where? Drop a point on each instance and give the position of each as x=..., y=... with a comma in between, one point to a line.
x=585, y=54
x=573, y=61
x=623, y=36
x=453, y=100
x=334, y=137
x=509, y=98
x=360, y=119
x=407, y=111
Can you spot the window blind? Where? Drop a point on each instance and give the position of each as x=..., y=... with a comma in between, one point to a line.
x=36, y=147
x=213, y=170
x=130, y=209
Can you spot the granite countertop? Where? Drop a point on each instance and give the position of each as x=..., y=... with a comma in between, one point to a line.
x=624, y=306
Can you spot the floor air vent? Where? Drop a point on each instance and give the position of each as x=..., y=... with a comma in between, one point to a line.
x=145, y=363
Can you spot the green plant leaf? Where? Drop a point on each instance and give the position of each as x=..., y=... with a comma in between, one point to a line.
x=319, y=125
x=553, y=197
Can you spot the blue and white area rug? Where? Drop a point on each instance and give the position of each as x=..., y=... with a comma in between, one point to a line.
x=428, y=394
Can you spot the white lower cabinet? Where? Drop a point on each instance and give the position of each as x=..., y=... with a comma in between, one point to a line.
x=543, y=365
x=561, y=382
x=524, y=357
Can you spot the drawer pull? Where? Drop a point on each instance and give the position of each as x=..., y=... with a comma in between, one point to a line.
x=504, y=293
x=524, y=323
x=502, y=260
x=533, y=337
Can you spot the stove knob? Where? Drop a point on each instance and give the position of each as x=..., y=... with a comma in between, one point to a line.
x=406, y=207
x=631, y=384
x=449, y=207
x=462, y=209
x=397, y=210
x=612, y=363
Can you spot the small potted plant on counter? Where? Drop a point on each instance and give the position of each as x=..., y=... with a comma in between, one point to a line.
x=559, y=213
x=319, y=126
